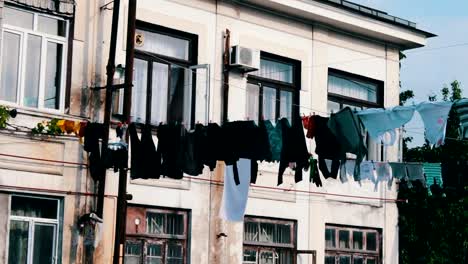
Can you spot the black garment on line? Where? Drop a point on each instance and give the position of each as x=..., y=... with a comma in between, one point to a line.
x=93, y=132
x=294, y=149
x=194, y=153
x=248, y=141
x=171, y=142
x=214, y=145
x=116, y=158
x=327, y=146
x=145, y=160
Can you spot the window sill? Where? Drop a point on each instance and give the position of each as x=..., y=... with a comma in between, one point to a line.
x=164, y=183
x=44, y=113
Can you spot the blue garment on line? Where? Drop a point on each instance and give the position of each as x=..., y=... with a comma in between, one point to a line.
x=434, y=116
x=382, y=122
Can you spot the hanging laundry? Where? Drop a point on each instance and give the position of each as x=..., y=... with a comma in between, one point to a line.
x=92, y=133
x=398, y=170
x=145, y=161
x=314, y=174
x=171, y=140
x=214, y=145
x=275, y=140
x=347, y=170
x=245, y=140
x=384, y=174
x=416, y=174
x=382, y=122
x=368, y=171
x=294, y=149
x=309, y=125
x=327, y=146
x=116, y=159
x=235, y=195
x=461, y=108
x=434, y=116
x=347, y=130
x=194, y=150
x=433, y=173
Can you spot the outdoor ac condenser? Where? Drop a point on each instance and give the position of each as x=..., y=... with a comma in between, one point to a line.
x=245, y=59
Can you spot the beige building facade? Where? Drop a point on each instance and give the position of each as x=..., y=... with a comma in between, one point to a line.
x=316, y=57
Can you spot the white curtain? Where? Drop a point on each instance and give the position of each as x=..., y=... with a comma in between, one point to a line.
x=138, y=111
x=159, y=93
x=252, y=101
x=269, y=104
x=286, y=105
x=352, y=88
x=275, y=71
x=164, y=44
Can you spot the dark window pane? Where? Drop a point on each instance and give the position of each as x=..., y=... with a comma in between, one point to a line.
x=371, y=241
x=267, y=257
x=177, y=93
x=10, y=66
x=53, y=77
x=18, y=18
x=345, y=260
x=357, y=240
x=51, y=26
x=250, y=256
x=344, y=238
x=154, y=254
x=34, y=207
x=371, y=261
x=44, y=237
x=33, y=64
x=18, y=243
x=267, y=231
x=251, y=231
x=132, y=253
x=358, y=260
x=282, y=234
x=175, y=224
x=174, y=254
x=330, y=238
x=330, y=260
x=155, y=223
x=284, y=257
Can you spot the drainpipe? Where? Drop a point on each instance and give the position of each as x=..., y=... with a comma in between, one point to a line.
x=227, y=48
x=121, y=214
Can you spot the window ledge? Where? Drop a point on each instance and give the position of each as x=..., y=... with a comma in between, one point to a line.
x=46, y=113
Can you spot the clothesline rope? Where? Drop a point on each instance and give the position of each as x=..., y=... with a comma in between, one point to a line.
x=220, y=182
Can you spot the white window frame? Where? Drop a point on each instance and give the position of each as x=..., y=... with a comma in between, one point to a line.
x=32, y=221
x=45, y=38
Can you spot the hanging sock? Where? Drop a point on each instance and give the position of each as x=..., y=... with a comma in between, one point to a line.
x=314, y=174
x=384, y=174
x=381, y=123
x=235, y=196
x=434, y=116
x=461, y=108
x=368, y=171
x=416, y=174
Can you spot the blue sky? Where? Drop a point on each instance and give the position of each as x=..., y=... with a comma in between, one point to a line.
x=427, y=69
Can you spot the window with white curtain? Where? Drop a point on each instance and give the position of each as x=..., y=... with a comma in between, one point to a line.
x=272, y=91
x=357, y=92
x=33, y=58
x=164, y=85
x=33, y=230
x=268, y=241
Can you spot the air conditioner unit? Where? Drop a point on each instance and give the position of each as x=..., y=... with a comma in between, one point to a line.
x=245, y=59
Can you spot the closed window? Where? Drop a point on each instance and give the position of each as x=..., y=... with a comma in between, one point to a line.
x=268, y=241
x=272, y=91
x=34, y=47
x=34, y=230
x=168, y=86
x=163, y=241
x=357, y=92
x=350, y=245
